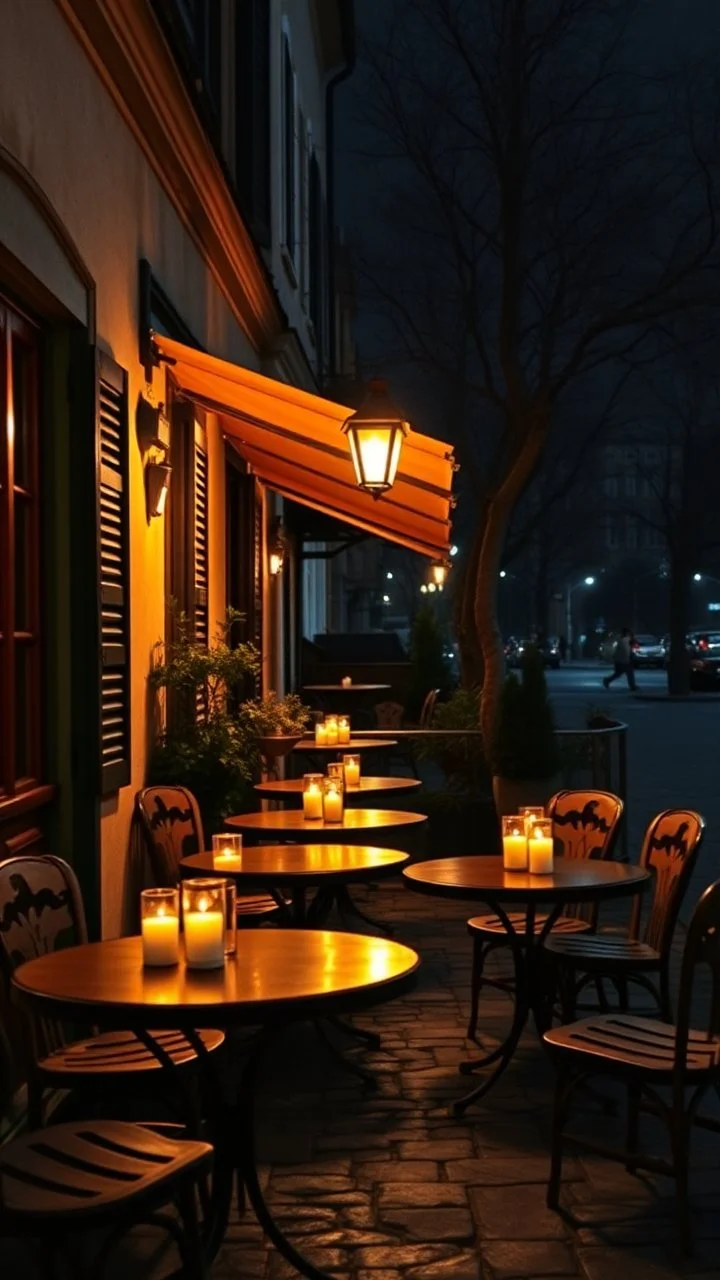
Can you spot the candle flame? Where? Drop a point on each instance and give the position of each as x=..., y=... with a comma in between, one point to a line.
x=203, y=904
x=161, y=911
x=538, y=833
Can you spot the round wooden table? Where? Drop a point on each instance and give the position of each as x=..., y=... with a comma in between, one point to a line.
x=319, y=755
x=276, y=978
x=291, y=788
x=298, y=867
x=336, y=697
x=484, y=879
x=346, y=688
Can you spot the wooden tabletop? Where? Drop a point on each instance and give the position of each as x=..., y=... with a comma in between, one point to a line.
x=345, y=688
x=484, y=878
x=277, y=975
x=292, y=823
x=357, y=744
x=283, y=787
x=303, y=864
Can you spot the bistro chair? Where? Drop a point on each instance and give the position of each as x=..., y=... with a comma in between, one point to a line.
x=99, y=1175
x=586, y=824
x=170, y=819
x=41, y=910
x=648, y=1054
x=670, y=849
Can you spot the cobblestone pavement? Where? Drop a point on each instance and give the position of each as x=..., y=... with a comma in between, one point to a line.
x=384, y=1185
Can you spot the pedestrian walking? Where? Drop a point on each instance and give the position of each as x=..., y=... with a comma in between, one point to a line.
x=562, y=648
x=622, y=658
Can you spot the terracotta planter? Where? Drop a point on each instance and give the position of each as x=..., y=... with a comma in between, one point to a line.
x=276, y=745
x=510, y=793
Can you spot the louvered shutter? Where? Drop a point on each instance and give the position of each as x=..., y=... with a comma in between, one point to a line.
x=114, y=572
x=199, y=602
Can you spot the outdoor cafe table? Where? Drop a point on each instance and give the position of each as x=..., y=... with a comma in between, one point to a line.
x=276, y=978
x=299, y=867
x=291, y=788
x=483, y=879
x=321, y=752
x=336, y=697
x=357, y=827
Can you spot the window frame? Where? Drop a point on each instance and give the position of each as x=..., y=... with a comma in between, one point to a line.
x=289, y=150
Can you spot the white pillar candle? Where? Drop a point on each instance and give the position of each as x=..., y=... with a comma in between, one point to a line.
x=343, y=731
x=515, y=851
x=332, y=806
x=312, y=802
x=352, y=773
x=160, y=939
x=540, y=852
x=320, y=735
x=227, y=860
x=204, y=938
x=346, y=682
x=331, y=730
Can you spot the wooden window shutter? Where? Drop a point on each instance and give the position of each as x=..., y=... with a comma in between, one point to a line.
x=199, y=552
x=114, y=572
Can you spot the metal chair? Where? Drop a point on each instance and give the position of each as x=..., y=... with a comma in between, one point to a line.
x=648, y=1054
x=41, y=910
x=585, y=825
x=670, y=848
x=170, y=818
x=96, y=1174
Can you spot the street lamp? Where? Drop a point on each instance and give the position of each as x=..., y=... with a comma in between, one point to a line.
x=588, y=581
x=375, y=433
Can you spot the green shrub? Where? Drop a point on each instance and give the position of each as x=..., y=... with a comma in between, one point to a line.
x=525, y=744
x=431, y=669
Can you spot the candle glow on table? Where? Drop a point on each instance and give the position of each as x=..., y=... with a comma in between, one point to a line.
x=160, y=926
x=540, y=848
x=227, y=852
x=320, y=734
x=332, y=800
x=204, y=923
x=312, y=797
x=343, y=731
x=515, y=844
x=346, y=682
x=351, y=766
x=331, y=730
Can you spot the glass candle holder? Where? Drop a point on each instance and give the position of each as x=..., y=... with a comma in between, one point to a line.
x=515, y=844
x=320, y=734
x=332, y=799
x=540, y=847
x=227, y=851
x=346, y=682
x=230, y=917
x=204, y=923
x=343, y=730
x=531, y=813
x=331, y=729
x=351, y=767
x=336, y=769
x=160, y=926
x=312, y=796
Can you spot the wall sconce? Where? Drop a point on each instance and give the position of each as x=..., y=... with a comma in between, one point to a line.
x=157, y=478
x=276, y=554
x=375, y=435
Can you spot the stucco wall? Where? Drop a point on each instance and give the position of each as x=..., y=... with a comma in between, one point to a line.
x=57, y=120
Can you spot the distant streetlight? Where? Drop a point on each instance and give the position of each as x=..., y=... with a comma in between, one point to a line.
x=589, y=581
x=431, y=587
x=388, y=575
x=503, y=573
x=423, y=589
x=386, y=599
x=697, y=577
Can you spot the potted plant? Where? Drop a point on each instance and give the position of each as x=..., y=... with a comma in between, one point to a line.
x=526, y=758
x=203, y=745
x=430, y=667
x=275, y=724
x=461, y=814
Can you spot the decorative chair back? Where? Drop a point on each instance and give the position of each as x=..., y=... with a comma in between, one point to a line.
x=41, y=910
x=586, y=824
x=702, y=947
x=428, y=708
x=171, y=820
x=389, y=715
x=671, y=846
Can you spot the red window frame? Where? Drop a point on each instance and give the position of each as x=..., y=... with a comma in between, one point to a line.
x=20, y=637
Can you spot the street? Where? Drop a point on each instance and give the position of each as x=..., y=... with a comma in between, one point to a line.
x=672, y=751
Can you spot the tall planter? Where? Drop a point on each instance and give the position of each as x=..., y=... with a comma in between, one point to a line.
x=526, y=760
x=510, y=793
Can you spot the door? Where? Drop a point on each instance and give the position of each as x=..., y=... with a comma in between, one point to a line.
x=25, y=796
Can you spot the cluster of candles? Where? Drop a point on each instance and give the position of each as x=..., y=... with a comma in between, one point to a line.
x=324, y=797
x=528, y=842
x=333, y=731
x=209, y=920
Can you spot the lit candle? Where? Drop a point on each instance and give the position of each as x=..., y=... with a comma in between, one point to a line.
x=351, y=766
x=159, y=926
x=346, y=681
x=312, y=802
x=531, y=814
x=515, y=845
x=540, y=848
x=204, y=936
x=320, y=734
x=331, y=730
x=332, y=801
x=227, y=852
x=343, y=730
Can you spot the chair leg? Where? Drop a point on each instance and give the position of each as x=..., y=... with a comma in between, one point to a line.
x=665, y=1002
x=193, y=1257
x=566, y=990
x=621, y=986
x=478, y=964
x=681, y=1156
x=562, y=1091
x=632, y=1132
x=35, y=1093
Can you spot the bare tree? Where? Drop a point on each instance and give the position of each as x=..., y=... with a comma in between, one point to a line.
x=545, y=204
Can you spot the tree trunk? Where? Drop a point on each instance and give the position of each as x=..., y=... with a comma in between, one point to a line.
x=679, y=664
x=469, y=650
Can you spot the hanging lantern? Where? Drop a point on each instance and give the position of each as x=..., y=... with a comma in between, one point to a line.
x=375, y=434
x=276, y=554
x=438, y=573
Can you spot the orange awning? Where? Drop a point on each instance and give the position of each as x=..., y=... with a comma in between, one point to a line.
x=293, y=442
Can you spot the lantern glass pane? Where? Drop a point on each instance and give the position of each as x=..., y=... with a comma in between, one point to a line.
x=397, y=444
x=374, y=444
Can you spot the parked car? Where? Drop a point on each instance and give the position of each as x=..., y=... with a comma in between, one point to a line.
x=704, y=650
x=549, y=649
x=648, y=651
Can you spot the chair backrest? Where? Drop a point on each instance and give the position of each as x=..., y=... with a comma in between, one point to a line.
x=171, y=820
x=428, y=707
x=702, y=947
x=389, y=715
x=670, y=849
x=586, y=824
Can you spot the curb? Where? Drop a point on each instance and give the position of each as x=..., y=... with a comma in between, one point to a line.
x=676, y=698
